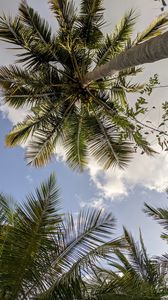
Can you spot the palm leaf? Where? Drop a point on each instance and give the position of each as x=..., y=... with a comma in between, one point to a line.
x=43, y=145
x=22, y=131
x=116, y=42
x=7, y=210
x=25, y=245
x=20, y=87
x=75, y=141
x=93, y=227
x=15, y=32
x=81, y=245
x=41, y=148
x=160, y=215
x=74, y=289
x=118, y=94
x=89, y=22
x=105, y=144
x=136, y=276
x=10, y=31
x=130, y=71
x=65, y=13
x=157, y=27
x=33, y=20
x=112, y=296
x=134, y=253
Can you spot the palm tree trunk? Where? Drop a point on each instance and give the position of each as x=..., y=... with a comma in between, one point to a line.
x=147, y=52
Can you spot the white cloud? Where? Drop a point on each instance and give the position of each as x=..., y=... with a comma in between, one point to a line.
x=109, y=183
x=147, y=171
x=97, y=203
x=13, y=115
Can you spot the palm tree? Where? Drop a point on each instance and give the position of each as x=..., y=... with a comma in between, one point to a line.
x=87, y=112
x=161, y=216
x=134, y=275
x=45, y=255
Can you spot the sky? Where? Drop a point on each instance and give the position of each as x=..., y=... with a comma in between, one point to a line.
x=122, y=192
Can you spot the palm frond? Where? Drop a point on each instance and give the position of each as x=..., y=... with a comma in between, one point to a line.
x=45, y=202
x=33, y=20
x=147, y=268
x=41, y=148
x=118, y=94
x=157, y=27
x=26, y=242
x=82, y=243
x=116, y=42
x=24, y=130
x=133, y=87
x=135, y=256
x=105, y=144
x=143, y=144
x=91, y=230
x=7, y=210
x=20, y=87
x=160, y=215
x=152, y=268
x=89, y=23
x=74, y=289
x=10, y=31
x=34, y=53
x=123, y=264
x=130, y=72
x=43, y=144
x=64, y=11
x=136, y=276
x=75, y=141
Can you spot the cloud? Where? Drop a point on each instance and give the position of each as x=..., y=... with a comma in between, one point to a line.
x=146, y=171
x=97, y=203
x=13, y=115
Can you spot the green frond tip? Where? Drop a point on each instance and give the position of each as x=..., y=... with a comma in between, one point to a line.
x=157, y=27
x=106, y=146
x=33, y=20
x=64, y=11
x=41, y=148
x=19, y=134
x=7, y=209
x=159, y=214
x=89, y=23
x=117, y=41
x=76, y=142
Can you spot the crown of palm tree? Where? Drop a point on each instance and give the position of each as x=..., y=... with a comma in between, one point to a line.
x=87, y=119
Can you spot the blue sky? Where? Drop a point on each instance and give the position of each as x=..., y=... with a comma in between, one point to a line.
x=122, y=192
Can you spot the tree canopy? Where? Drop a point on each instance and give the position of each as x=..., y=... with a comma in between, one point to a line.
x=93, y=120
x=48, y=255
